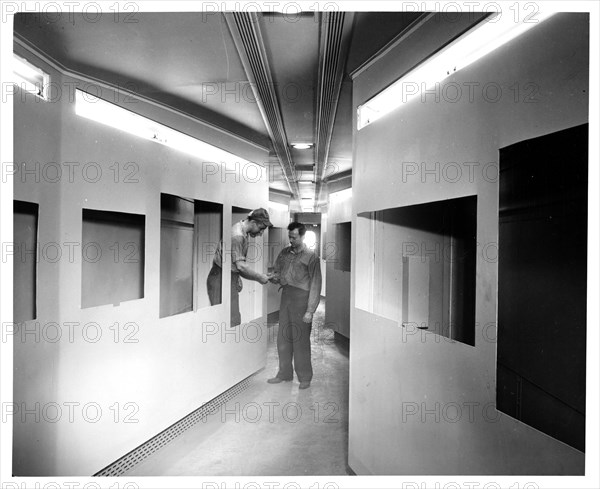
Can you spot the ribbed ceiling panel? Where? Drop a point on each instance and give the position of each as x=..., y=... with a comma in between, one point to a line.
x=333, y=50
x=249, y=42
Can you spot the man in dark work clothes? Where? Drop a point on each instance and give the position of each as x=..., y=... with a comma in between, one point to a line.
x=298, y=271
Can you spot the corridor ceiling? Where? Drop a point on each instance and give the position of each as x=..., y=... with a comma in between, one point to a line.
x=270, y=78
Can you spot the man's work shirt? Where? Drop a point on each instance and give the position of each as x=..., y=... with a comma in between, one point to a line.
x=239, y=248
x=300, y=269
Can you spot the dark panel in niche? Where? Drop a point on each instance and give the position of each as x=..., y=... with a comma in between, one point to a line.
x=343, y=235
x=208, y=227
x=176, y=255
x=112, y=268
x=542, y=283
x=25, y=231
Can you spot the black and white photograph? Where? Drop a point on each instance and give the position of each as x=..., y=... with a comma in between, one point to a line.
x=283, y=245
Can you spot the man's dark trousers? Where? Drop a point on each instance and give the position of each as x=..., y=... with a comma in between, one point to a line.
x=293, y=337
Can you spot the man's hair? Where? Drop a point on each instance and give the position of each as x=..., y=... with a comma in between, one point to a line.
x=260, y=216
x=299, y=226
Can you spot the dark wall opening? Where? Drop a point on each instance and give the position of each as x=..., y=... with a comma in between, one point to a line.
x=189, y=235
x=343, y=236
x=112, y=268
x=542, y=283
x=25, y=239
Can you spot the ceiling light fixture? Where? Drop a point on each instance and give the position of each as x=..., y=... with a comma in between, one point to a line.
x=302, y=145
x=482, y=39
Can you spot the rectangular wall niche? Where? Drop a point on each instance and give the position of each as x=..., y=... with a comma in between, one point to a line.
x=542, y=283
x=343, y=235
x=416, y=265
x=112, y=268
x=189, y=235
x=25, y=229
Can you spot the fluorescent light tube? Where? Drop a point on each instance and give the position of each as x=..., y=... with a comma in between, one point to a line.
x=29, y=77
x=482, y=39
x=96, y=109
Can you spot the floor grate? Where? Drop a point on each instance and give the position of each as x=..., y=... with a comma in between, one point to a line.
x=142, y=452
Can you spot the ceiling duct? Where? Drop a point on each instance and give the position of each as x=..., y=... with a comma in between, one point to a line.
x=336, y=29
x=245, y=30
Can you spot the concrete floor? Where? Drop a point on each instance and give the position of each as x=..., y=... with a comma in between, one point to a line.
x=275, y=430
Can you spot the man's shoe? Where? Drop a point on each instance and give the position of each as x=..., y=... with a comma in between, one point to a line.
x=304, y=385
x=276, y=380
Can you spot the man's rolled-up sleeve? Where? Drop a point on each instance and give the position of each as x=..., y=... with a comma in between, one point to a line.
x=237, y=249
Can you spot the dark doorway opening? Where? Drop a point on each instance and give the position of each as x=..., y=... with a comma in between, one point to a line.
x=542, y=269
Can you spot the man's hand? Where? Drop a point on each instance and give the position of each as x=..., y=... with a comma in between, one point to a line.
x=308, y=317
x=249, y=274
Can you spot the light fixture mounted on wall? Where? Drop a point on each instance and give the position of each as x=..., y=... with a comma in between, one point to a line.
x=107, y=113
x=488, y=35
x=30, y=78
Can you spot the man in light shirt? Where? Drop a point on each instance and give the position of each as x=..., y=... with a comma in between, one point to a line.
x=298, y=271
x=254, y=225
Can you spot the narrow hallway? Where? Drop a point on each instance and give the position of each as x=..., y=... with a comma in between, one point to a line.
x=275, y=430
